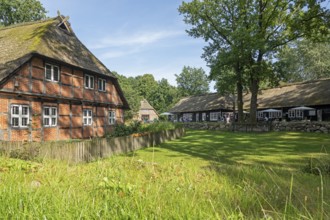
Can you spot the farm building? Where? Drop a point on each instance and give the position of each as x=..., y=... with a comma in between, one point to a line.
x=306, y=100
x=52, y=87
x=146, y=113
x=208, y=107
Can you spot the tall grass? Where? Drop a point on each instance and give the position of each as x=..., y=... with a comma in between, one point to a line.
x=164, y=183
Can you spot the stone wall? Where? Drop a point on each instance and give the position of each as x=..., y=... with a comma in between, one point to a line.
x=302, y=126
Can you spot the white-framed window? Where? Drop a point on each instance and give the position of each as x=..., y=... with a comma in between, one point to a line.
x=187, y=116
x=87, y=117
x=214, y=116
x=50, y=116
x=275, y=114
x=52, y=72
x=297, y=113
x=203, y=116
x=260, y=115
x=197, y=117
x=101, y=85
x=112, y=117
x=89, y=81
x=19, y=116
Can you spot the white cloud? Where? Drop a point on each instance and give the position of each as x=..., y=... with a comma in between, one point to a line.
x=139, y=38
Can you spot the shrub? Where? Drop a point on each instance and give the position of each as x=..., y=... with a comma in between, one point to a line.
x=27, y=152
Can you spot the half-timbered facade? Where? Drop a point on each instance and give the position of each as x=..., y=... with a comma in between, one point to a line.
x=52, y=87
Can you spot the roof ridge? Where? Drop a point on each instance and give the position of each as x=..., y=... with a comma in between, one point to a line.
x=298, y=83
x=27, y=23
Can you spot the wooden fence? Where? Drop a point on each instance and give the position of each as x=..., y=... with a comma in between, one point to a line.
x=88, y=150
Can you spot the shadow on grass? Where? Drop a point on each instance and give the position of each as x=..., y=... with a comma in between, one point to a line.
x=290, y=150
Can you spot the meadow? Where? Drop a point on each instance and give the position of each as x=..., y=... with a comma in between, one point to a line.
x=204, y=175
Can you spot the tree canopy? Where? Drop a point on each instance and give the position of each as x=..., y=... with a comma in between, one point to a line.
x=17, y=11
x=304, y=60
x=160, y=94
x=192, y=81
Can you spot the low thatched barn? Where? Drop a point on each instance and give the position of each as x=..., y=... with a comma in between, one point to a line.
x=208, y=107
x=306, y=100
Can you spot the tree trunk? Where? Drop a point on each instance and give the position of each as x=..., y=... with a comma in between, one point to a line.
x=240, y=102
x=254, y=99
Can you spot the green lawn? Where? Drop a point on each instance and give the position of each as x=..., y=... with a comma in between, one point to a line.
x=204, y=175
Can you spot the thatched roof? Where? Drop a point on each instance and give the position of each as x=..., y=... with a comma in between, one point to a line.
x=207, y=102
x=145, y=105
x=19, y=42
x=52, y=40
x=310, y=93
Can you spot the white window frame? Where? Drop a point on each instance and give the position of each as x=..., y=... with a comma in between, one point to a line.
x=87, y=117
x=19, y=116
x=296, y=113
x=260, y=115
x=112, y=117
x=52, y=73
x=88, y=79
x=275, y=114
x=51, y=117
x=214, y=116
x=187, y=117
x=101, y=85
x=204, y=116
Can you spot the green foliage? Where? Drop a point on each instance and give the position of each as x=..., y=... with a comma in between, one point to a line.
x=160, y=94
x=137, y=127
x=204, y=175
x=304, y=60
x=192, y=81
x=26, y=152
x=17, y=11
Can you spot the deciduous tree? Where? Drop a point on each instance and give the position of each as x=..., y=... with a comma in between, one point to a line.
x=17, y=11
x=192, y=81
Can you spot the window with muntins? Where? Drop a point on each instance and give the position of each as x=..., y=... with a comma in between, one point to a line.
x=89, y=82
x=112, y=117
x=214, y=116
x=101, y=85
x=50, y=116
x=20, y=116
x=52, y=73
x=87, y=117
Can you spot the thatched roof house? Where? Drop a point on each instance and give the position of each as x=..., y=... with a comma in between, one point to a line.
x=52, y=87
x=146, y=112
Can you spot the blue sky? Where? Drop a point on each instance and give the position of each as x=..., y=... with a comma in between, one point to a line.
x=133, y=37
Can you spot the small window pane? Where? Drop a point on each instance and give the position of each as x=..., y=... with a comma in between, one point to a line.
x=46, y=111
x=48, y=72
x=87, y=81
x=15, y=110
x=89, y=113
x=56, y=73
x=53, y=121
x=85, y=121
x=14, y=122
x=91, y=82
x=25, y=110
x=24, y=121
x=103, y=85
x=46, y=121
x=54, y=111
